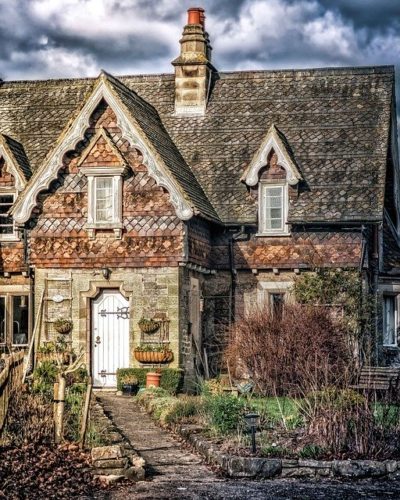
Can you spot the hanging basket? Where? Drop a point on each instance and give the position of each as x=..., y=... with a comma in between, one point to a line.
x=148, y=325
x=154, y=356
x=63, y=325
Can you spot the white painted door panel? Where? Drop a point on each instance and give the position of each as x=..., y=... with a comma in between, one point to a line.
x=110, y=337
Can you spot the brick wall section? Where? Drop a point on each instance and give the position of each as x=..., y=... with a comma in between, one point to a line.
x=300, y=249
x=152, y=235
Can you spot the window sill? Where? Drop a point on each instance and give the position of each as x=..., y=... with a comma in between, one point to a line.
x=9, y=239
x=104, y=226
x=268, y=235
x=390, y=346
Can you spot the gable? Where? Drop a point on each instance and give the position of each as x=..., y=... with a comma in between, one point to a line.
x=185, y=201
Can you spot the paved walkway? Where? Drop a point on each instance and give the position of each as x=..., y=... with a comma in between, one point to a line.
x=168, y=462
x=173, y=472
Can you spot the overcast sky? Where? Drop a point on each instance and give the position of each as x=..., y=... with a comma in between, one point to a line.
x=69, y=38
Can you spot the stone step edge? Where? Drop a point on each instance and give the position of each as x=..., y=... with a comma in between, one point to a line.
x=265, y=468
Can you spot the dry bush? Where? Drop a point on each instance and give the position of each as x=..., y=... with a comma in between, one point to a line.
x=29, y=420
x=300, y=351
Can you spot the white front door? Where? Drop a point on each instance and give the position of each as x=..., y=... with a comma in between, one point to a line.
x=110, y=337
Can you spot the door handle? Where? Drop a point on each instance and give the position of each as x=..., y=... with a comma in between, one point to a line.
x=97, y=341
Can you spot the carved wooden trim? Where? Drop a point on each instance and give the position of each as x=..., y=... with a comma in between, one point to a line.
x=271, y=141
x=75, y=133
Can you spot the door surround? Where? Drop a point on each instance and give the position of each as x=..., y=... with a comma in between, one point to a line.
x=85, y=312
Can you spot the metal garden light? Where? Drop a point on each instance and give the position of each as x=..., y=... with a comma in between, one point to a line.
x=252, y=420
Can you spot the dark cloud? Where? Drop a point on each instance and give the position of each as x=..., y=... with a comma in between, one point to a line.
x=56, y=38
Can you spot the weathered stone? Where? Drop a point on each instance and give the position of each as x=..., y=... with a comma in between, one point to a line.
x=324, y=472
x=134, y=473
x=357, y=469
x=314, y=464
x=137, y=461
x=113, y=463
x=121, y=471
x=392, y=465
x=298, y=472
x=253, y=467
x=110, y=479
x=107, y=452
x=288, y=463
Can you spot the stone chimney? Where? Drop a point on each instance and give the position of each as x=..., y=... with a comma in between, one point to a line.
x=193, y=69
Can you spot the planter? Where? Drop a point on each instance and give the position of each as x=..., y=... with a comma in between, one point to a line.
x=153, y=379
x=130, y=389
x=154, y=356
x=52, y=356
x=149, y=326
x=63, y=326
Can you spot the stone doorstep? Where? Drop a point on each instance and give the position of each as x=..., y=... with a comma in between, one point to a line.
x=248, y=467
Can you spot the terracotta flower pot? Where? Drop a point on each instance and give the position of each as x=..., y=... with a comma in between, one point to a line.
x=153, y=379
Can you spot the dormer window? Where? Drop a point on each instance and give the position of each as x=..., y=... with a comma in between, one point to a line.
x=273, y=169
x=273, y=208
x=104, y=199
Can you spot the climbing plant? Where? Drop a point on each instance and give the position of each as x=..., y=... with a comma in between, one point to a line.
x=343, y=291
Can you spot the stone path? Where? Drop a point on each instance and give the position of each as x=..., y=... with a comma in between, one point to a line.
x=167, y=460
x=173, y=472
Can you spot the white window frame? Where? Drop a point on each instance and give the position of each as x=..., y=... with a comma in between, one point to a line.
x=385, y=340
x=14, y=235
x=262, y=211
x=9, y=317
x=93, y=173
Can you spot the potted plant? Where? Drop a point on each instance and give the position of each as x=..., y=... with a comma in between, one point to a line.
x=130, y=385
x=148, y=353
x=63, y=325
x=153, y=379
x=148, y=325
x=46, y=352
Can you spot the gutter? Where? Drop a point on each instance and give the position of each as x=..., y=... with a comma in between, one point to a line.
x=240, y=235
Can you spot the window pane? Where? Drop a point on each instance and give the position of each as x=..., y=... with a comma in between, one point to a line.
x=389, y=326
x=2, y=320
x=104, y=199
x=6, y=222
x=277, y=301
x=273, y=212
x=20, y=319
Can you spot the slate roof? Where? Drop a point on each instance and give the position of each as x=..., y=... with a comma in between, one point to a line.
x=335, y=121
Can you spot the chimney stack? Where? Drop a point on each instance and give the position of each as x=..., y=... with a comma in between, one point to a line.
x=193, y=69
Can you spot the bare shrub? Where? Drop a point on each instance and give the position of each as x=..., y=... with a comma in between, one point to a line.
x=29, y=420
x=300, y=351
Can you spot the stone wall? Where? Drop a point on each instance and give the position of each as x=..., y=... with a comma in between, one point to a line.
x=151, y=291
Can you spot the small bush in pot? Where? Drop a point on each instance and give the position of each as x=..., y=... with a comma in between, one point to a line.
x=129, y=384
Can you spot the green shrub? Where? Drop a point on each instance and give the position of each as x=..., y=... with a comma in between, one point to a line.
x=311, y=451
x=43, y=378
x=224, y=412
x=184, y=407
x=171, y=378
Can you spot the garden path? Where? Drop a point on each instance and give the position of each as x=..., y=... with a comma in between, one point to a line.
x=168, y=462
x=174, y=473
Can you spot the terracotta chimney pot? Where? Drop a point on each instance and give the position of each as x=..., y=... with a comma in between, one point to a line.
x=196, y=16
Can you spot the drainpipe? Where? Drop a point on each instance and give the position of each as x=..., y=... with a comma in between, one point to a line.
x=240, y=235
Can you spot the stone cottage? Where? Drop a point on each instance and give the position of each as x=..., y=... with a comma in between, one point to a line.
x=188, y=197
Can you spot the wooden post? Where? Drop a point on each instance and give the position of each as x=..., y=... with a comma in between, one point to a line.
x=85, y=415
x=59, y=414
x=32, y=344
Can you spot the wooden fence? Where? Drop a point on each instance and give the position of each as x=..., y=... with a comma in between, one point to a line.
x=11, y=369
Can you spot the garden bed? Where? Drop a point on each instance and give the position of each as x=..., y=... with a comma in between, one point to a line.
x=214, y=426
